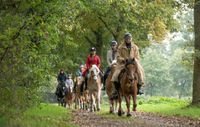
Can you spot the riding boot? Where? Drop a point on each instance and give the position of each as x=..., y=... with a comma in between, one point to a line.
x=116, y=91
x=81, y=88
x=104, y=83
x=140, y=91
x=85, y=83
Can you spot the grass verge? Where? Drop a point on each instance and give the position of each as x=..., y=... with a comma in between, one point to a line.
x=46, y=115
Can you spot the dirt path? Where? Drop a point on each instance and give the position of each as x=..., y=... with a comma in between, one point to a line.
x=139, y=119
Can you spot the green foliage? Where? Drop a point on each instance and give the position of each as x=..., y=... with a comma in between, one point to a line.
x=32, y=49
x=39, y=37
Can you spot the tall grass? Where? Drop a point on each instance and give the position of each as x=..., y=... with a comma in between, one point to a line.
x=45, y=115
x=168, y=106
x=159, y=105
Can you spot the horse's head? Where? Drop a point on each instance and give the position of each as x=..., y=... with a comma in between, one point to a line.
x=113, y=67
x=94, y=71
x=130, y=67
x=79, y=80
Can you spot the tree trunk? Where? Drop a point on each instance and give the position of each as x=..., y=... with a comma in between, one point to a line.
x=196, y=75
x=99, y=41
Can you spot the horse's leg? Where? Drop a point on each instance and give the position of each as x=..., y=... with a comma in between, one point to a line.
x=127, y=98
x=120, y=105
x=75, y=102
x=91, y=102
x=116, y=102
x=134, y=96
x=95, y=100
x=111, y=106
x=81, y=104
x=134, y=102
x=99, y=100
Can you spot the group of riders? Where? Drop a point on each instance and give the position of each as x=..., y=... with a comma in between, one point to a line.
x=116, y=55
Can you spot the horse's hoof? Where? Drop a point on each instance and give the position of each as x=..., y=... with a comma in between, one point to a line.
x=128, y=115
x=119, y=113
x=111, y=112
x=134, y=110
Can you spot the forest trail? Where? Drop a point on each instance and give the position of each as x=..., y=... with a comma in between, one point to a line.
x=139, y=119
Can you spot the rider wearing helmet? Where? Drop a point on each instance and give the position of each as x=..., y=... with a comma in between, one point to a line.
x=111, y=57
x=92, y=58
x=61, y=77
x=128, y=50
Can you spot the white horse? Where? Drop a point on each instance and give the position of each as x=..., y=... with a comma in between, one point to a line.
x=94, y=88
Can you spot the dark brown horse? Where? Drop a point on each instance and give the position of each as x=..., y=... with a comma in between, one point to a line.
x=110, y=90
x=128, y=85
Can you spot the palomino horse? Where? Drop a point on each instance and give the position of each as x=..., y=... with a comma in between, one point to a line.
x=81, y=100
x=94, y=88
x=110, y=90
x=128, y=85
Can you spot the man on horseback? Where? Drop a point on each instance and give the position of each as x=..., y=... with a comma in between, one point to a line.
x=128, y=50
x=111, y=58
x=93, y=58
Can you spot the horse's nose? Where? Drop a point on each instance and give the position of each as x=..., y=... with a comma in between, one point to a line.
x=131, y=80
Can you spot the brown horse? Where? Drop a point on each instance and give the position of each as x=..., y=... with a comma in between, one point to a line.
x=128, y=85
x=78, y=97
x=110, y=90
x=94, y=88
x=69, y=97
x=86, y=100
x=81, y=99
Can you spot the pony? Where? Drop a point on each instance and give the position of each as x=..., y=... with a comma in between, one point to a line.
x=60, y=93
x=94, y=88
x=80, y=98
x=128, y=80
x=110, y=90
x=69, y=97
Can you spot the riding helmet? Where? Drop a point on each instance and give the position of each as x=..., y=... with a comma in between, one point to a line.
x=127, y=35
x=113, y=42
x=93, y=49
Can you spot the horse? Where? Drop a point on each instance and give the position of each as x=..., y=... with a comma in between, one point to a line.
x=60, y=94
x=79, y=97
x=110, y=90
x=69, y=97
x=94, y=88
x=128, y=80
x=86, y=100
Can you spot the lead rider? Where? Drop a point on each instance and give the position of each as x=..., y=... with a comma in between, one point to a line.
x=125, y=51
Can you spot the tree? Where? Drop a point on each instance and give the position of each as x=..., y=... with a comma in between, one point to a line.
x=196, y=78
